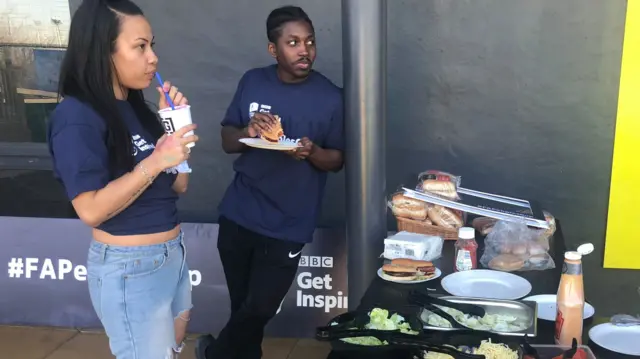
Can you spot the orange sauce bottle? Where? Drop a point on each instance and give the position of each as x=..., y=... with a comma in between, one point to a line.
x=570, y=301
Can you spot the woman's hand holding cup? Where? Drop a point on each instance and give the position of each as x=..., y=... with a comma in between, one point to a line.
x=174, y=118
x=176, y=96
x=171, y=150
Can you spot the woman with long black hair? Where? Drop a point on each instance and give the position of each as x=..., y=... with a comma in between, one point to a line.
x=117, y=166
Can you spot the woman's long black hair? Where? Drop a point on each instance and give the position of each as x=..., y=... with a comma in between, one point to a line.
x=87, y=74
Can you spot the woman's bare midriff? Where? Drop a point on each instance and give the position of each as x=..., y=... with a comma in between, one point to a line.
x=136, y=240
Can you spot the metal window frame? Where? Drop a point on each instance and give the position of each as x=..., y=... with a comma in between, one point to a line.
x=25, y=156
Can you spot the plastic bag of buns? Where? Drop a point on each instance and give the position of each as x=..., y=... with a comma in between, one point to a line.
x=484, y=225
x=440, y=183
x=406, y=207
x=548, y=233
x=445, y=217
x=512, y=246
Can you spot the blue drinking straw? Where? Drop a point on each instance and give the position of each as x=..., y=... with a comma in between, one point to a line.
x=166, y=94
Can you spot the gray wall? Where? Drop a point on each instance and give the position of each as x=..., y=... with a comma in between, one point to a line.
x=518, y=97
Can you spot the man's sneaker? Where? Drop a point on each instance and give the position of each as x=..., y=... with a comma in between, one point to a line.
x=202, y=343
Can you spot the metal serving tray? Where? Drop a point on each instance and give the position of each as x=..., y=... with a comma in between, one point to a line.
x=526, y=311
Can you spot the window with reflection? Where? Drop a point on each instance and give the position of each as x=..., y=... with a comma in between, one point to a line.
x=28, y=92
x=28, y=95
x=33, y=37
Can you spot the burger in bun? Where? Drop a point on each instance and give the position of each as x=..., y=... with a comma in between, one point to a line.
x=274, y=133
x=399, y=273
x=506, y=263
x=424, y=268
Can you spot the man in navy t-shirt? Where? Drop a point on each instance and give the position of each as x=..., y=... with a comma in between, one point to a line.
x=269, y=211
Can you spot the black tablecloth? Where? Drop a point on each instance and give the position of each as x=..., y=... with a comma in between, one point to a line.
x=390, y=295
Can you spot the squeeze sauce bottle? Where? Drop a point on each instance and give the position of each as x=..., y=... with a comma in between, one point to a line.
x=570, y=299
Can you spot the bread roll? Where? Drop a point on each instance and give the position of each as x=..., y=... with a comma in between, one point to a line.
x=536, y=249
x=519, y=249
x=411, y=263
x=406, y=207
x=442, y=188
x=445, y=217
x=506, y=263
x=505, y=248
x=438, y=186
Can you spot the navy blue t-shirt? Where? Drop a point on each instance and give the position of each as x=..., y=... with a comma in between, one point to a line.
x=77, y=142
x=272, y=193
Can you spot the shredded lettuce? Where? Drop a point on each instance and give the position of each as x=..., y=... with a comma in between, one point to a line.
x=379, y=320
x=493, y=322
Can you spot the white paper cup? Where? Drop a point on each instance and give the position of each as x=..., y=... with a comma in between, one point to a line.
x=173, y=120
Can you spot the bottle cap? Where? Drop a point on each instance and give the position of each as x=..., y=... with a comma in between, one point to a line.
x=466, y=233
x=572, y=256
x=585, y=249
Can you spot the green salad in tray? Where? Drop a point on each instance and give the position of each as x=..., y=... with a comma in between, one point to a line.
x=379, y=319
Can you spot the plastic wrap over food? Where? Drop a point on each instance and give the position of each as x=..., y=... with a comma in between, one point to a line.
x=405, y=207
x=439, y=183
x=512, y=246
x=484, y=225
x=445, y=217
x=413, y=246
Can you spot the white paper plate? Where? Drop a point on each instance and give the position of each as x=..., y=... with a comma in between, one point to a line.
x=547, y=307
x=266, y=145
x=483, y=283
x=623, y=340
x=437, y=275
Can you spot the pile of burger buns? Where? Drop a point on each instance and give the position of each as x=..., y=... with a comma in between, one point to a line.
x=405, y=207
x=441, y=184
x=403, y=269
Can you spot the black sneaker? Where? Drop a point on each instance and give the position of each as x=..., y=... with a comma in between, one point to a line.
x=202, y=343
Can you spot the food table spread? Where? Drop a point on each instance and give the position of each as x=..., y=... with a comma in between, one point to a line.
x=388, y=295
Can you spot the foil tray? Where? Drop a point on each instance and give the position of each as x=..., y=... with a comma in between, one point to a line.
x=525, y=311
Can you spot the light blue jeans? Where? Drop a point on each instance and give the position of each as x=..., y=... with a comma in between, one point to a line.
x=137, y=293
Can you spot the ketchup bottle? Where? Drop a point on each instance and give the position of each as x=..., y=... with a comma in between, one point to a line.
x=466, y=250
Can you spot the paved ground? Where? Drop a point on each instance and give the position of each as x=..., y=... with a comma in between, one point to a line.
x=48, y=343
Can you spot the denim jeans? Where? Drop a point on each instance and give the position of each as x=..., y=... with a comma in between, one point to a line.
x=137, y=292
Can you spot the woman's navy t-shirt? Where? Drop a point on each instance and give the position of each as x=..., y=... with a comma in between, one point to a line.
x=272, y=193
x=77, y=142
